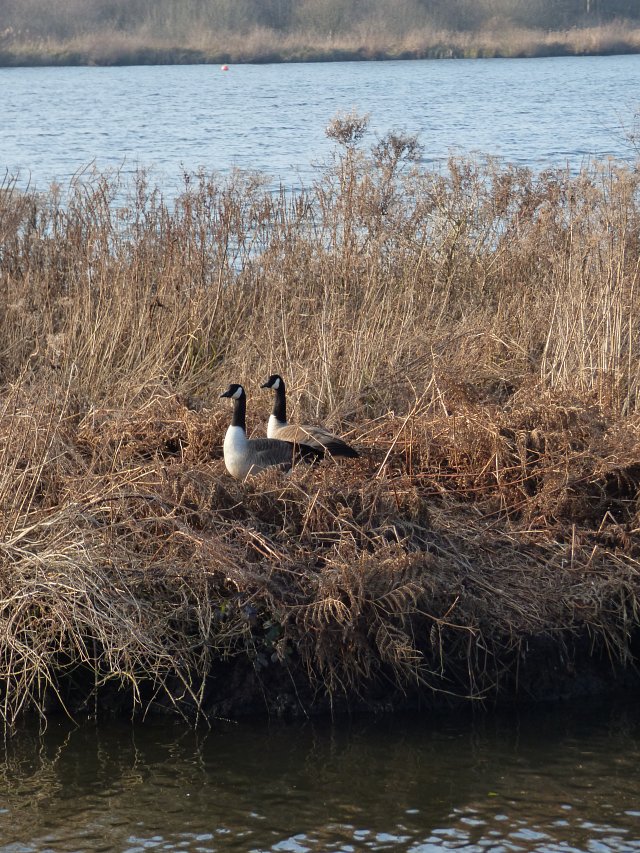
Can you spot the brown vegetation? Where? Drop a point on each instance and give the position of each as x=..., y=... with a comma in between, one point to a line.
x=262, y=45
x=474, y=333
x=106, y=32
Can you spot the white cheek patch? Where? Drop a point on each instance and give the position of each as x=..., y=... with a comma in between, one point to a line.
x=276, y=385
x=237, y=394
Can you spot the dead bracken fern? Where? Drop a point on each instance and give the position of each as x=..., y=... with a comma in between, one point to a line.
x=140, y=579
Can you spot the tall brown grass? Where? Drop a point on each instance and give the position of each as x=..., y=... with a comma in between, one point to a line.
x=473, y=331
x=368, y=40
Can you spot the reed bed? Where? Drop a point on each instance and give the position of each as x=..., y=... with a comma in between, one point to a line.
x=473, y=331
x=391, y=39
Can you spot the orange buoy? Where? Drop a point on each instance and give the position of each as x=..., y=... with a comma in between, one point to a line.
x=224, y=68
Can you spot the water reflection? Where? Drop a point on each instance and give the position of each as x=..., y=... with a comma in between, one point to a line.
x=563, y=780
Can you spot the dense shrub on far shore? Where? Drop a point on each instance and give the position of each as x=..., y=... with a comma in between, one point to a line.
x=139, y=32
x=499, y=38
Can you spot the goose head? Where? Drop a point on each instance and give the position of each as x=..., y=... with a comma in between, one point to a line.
x=274, y=381
x=234, y=391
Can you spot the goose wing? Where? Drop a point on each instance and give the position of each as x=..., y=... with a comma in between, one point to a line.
x=318, y=438
x=274, y=451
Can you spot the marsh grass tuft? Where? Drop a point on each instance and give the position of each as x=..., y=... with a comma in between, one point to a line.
x=473, y=332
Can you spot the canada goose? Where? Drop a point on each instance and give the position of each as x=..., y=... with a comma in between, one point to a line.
x=313, y=436
x=244, y=456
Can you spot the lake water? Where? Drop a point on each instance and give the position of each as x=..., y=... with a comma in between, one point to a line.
x=566, y=779
x=534, y=112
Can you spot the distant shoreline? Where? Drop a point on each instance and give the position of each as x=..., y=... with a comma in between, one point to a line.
x=114, y=48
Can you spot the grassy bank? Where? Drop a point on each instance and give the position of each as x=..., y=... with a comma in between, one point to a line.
x=111, y=47
x=475, y=333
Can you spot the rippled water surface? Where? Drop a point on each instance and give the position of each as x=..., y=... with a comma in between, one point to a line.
x=562, y=780
x=536, y=112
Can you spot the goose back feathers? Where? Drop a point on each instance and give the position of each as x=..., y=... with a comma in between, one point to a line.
x=311, y=436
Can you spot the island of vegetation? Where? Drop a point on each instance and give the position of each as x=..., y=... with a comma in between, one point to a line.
x=473, y=332
x=134, y=32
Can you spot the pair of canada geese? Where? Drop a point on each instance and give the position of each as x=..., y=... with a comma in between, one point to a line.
x=286, y=443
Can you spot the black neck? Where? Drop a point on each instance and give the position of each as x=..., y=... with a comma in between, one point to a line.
x=239, y=417
x=280, y=404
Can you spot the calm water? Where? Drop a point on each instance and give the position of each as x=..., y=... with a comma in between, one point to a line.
x=536, y=112
x=562, y=780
